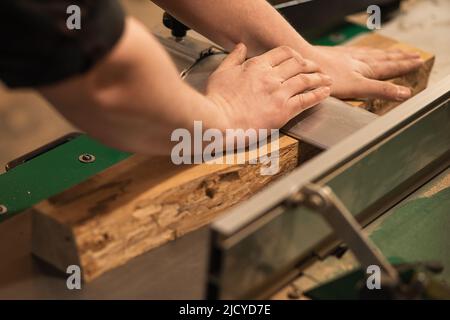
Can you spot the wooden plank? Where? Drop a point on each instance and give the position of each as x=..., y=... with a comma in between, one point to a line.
x=150, y=276
x=145, y=202
x=141, y=204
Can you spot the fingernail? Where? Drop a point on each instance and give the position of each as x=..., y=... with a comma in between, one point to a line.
x=403, y=93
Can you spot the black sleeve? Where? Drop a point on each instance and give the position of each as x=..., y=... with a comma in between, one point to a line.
x=37, y=47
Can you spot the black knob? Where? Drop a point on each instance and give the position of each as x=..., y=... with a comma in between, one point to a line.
x=179, y=30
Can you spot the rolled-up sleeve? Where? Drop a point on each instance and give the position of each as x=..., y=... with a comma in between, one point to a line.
x=38, y=48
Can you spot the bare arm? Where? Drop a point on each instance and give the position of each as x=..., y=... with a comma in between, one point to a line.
x=355, y=73
x=134, y=98
x=128, y=99
x=252, y=22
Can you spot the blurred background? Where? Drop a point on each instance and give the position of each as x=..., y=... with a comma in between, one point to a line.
x=28, y=122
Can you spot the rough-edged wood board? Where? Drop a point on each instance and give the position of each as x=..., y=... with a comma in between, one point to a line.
x=141, y=204
x=144, y=202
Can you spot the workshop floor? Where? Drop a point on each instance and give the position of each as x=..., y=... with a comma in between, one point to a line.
x=27, y=121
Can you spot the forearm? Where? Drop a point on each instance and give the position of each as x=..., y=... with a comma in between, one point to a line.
x=133, y=99
x=253, y=22
x=355, y=72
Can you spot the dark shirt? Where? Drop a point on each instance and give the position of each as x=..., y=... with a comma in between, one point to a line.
x=37, y=48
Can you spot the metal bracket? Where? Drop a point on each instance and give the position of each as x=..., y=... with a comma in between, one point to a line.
x=324, y=200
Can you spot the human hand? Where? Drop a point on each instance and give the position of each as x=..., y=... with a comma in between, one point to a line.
x=267, y=91
x=356, y=71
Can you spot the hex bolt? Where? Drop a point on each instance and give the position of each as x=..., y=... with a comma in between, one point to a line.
x=86, y=158
x=3, y=209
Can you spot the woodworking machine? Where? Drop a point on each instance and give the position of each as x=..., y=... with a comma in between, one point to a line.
x=366, y=165
x=366, y=175
x=367, y=172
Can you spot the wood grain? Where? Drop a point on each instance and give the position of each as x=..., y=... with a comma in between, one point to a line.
x=141, y=204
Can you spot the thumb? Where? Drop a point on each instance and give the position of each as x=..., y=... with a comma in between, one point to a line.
x=235, y=58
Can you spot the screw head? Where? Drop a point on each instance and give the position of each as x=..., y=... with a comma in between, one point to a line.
x=3, y=209
x=86, y=158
